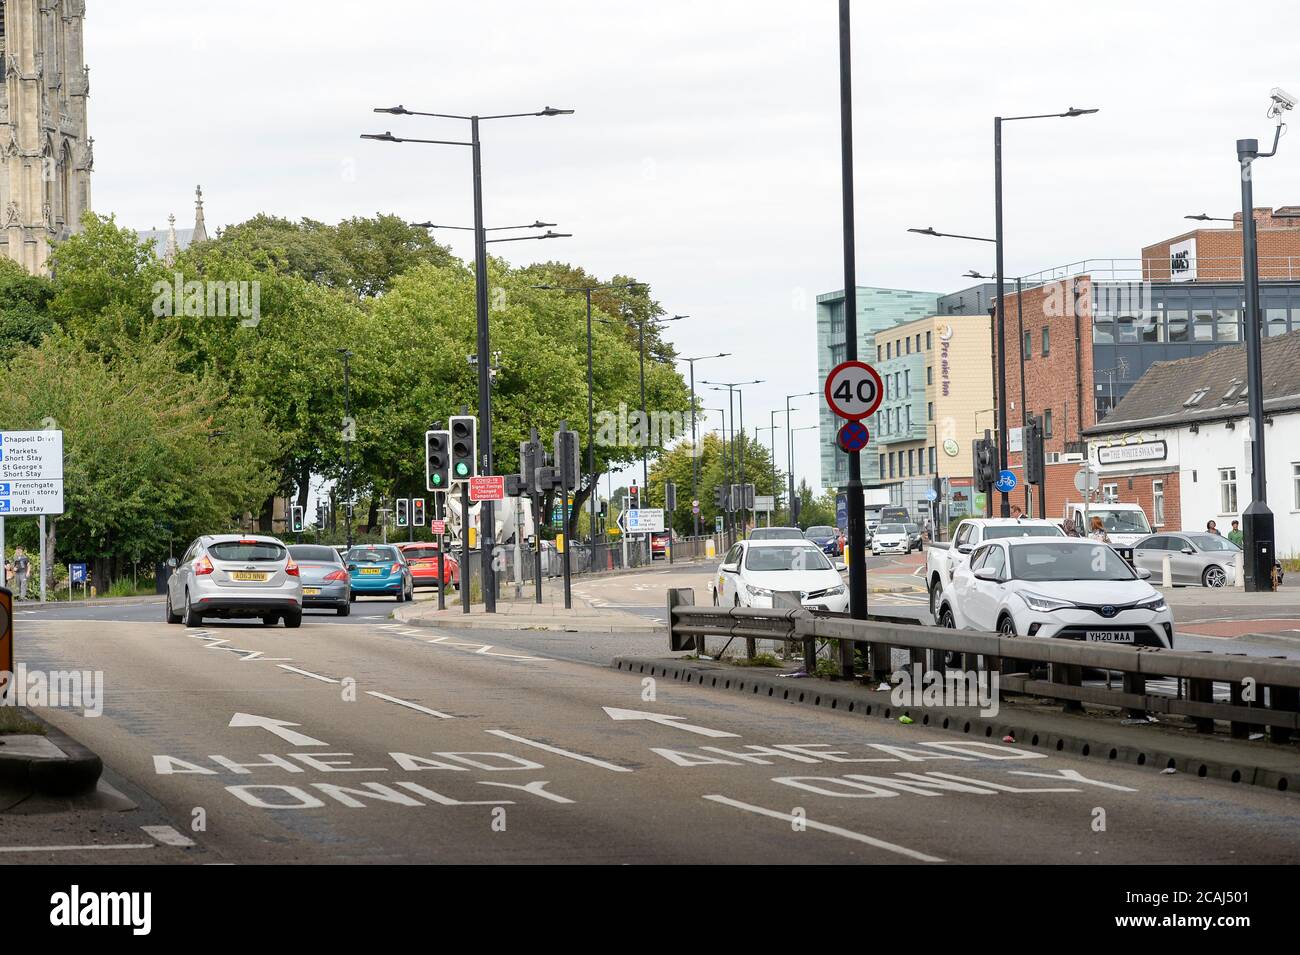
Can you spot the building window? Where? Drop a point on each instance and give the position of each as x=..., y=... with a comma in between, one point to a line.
x=1110, y=493
x=1150, y=329
x=929, y=340
x=911, y=461
x=1276, y=321
x=1126, y=330
x=934, y=468
x=889, y=353
x=1227, y=490
x=879, y=353
x=1202, y=325
x=1227, y=325
x=909, y=344
x=929, y=411
x=1295, y=487
x=881, y=471
x=1158, y=502
x=1047, y=423
x=929, y=375
x=1028, y=348
x=1103, y=330
x=907, y=383
x=1047, y=341
x=918, y=341
x=891, y=463
x=1177, y=319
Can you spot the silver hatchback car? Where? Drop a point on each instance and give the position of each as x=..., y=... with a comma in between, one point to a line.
x=236, y=575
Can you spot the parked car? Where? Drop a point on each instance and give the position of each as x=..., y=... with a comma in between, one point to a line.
x=941, y=558
x=825, y=537
x=423, y=560
x=891, y=539
x=776, y=534
x=379, y=570
x=324, y=577
x=659, y=544
x=235, y=576
x=1066, y=588
x=752, y=570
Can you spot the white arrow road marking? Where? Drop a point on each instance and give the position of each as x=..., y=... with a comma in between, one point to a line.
x=664, y=720
x=561, y=752
x=279, y=727
x=408, y=704
x=790, y=818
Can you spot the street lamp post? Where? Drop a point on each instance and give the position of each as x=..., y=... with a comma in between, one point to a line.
x=789, y=456
x=347, y=442
x=645, y=466
x=737, y=459
x=1257, y=520
x=695, y=444
x=483, y=343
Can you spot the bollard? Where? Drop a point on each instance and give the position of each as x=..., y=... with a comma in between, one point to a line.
x=1166, y=572
x=710, y=550
x=1239, y=571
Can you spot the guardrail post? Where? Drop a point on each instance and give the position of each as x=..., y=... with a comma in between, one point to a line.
x=1202, y=691
x=1135, y=683
x=787, y=600
x=1237, y=696
x=681, y=597
x=1284, y=699
x=1067, y=674
x=881, y=659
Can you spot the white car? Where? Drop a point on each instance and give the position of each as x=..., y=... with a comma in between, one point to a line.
x=1068, y=588
x=753, y=569
x=942, y=560
x=891, y=539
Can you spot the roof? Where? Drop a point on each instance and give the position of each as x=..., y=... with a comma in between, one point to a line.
x=1209, y=387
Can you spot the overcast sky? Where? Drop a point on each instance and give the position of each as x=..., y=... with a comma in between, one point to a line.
x=704, y=155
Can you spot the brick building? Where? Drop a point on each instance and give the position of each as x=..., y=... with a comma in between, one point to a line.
x=1214, y=255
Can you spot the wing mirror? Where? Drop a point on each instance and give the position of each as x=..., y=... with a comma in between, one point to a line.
x=965, y=549
x=1144, y=573
x=352, y=566
x=1188, y=550
x=987, y=573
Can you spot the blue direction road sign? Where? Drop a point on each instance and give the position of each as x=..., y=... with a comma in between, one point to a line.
x=4, y=489
x=77, y=573
x=1006, y=482
x=4, y=505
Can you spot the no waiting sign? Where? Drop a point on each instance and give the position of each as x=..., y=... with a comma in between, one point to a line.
x=854, y=390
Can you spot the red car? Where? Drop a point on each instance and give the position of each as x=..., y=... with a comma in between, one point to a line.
x=659, y=545
x=423, y=559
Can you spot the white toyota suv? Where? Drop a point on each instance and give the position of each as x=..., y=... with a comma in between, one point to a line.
x=235, y=575
x=942, y=559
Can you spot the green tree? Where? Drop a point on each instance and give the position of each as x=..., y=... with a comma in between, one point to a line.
x=715, y=470
x=24, y=306
x=815, y=509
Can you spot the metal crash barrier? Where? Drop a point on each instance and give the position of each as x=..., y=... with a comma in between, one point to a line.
x=1261, y=692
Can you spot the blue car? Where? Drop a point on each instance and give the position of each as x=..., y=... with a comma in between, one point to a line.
x=379, y=570
x=825, y=537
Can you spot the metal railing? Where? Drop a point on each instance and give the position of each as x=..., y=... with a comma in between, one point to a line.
x=1160, y=269
x=1261, y=691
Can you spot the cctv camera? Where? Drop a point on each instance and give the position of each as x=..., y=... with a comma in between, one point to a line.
x=1282, y=101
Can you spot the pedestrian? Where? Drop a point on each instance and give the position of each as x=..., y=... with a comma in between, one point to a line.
x=22, y=567
x=1213, y=528
x=1234, y=535
x=1017, y=513
x=1098, y=531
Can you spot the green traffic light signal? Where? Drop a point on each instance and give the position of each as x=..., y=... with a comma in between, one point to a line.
x=461, y=469
x=437, y=479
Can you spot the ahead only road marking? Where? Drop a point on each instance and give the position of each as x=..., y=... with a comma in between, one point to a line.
x=792, y=819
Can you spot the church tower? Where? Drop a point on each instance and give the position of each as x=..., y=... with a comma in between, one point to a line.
x=47, y=153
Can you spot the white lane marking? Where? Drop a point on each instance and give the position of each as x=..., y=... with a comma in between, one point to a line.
x=279, y=727
x=168, y=836
x=824, y=827
x=314, y=676
x=127, y=845
x=409, y=705
x=664, y=720
x=561, y=752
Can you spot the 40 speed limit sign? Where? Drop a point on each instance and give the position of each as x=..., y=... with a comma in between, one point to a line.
x=854, y=390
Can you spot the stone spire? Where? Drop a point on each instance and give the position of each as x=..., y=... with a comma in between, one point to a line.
x=200, y=230
x=173, y=246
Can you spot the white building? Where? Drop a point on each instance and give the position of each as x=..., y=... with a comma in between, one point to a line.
x=1179, y=442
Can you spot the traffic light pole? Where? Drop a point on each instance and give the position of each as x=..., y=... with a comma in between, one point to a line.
x=487, y=523
x=439, y=510
x=465, y=575
x=857, y=536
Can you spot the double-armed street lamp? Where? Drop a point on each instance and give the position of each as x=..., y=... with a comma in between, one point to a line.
x=789, y=450
x=695, y=444
x=734, y=388
x=483, y=349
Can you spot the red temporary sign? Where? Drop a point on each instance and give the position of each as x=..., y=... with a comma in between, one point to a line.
x=438, y=527
x=854, y=390
x=488, y=487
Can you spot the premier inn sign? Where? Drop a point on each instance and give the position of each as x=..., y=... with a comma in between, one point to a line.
x=1141, y=452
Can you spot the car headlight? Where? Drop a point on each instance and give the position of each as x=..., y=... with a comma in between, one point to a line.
x=1155, y=605
x=1041, y=604
x=757, y=591
x=835, y=591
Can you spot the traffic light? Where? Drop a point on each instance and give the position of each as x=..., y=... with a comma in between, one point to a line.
x=670, y=497
x=633, y=498
x=464, y=447
x=403, y=512
x=748, y=497
x=437, y=460
x=296, y=518
x=417, y=511
x=320, y=513
x=567, y=464
x=1034, y=452
x=736, y=497
x=720, y=500
x=984, y=464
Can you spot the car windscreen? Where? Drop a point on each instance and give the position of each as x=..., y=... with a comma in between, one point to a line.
x=819, y=531
x=1120, y=522
x=1067, y=561
x=794, y=557
x=420, y=553
x=775, y=533
x=890, y=529
x=999, y=531
x=312, y=553
x=247, y=550
x=913, y=528
x=1212, y=542
x=371, y=555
